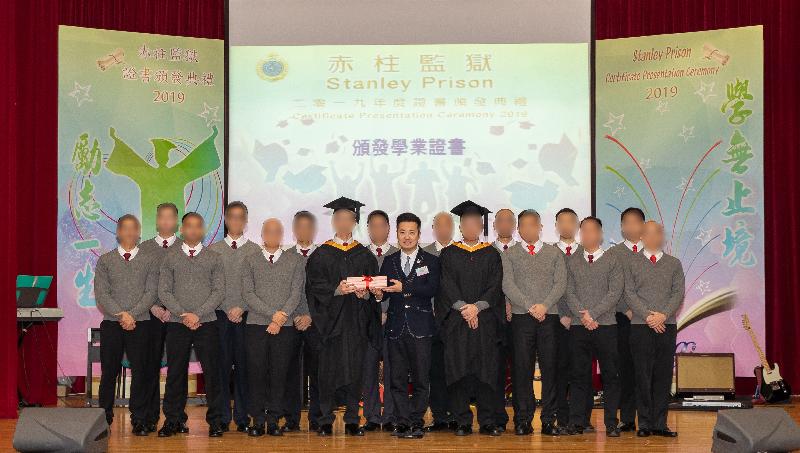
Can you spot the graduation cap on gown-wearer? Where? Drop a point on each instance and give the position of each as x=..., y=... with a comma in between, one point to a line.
x=347, y=204
x=469, y=207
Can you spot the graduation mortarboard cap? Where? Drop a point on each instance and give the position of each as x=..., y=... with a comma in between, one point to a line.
x=348, y=204
x=471, y=208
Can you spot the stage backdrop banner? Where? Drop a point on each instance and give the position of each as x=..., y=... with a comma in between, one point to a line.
x=140, y=121
x=680, y=135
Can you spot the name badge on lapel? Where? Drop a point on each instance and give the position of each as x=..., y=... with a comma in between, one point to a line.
x=422, y=271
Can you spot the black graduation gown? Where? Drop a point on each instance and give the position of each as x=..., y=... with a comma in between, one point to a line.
x=470, y=275
x=346, y=323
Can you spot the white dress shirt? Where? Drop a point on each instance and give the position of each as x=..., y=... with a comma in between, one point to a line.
x=595, y=255
x=639, y=245
x=196, y=248
x=537, y=246
x=384, y=248
x=239, y=242
x=658, y=255
x=133, y=252
x=500, y=245
x=563, y=246
x=170, y=240
x=275, y=255
x=439, y=246
x=341, y=241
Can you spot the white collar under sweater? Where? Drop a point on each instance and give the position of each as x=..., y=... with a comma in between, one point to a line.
x=133, y=252
x=239, y=242
x=658, y=254
x=595, y=255
x=196, y=248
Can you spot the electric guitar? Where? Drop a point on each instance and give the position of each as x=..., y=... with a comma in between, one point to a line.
x=771, y=385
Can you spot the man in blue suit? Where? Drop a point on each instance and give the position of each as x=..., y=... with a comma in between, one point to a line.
x=414, y=277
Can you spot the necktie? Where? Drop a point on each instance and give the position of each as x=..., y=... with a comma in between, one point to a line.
x=379, y=251
x=270, y=259
x=304, y=252
x=407, y=266
x=164, y=244
x=569, y=250
x=531, y=249
x=233, y=245
x=635, y=248
x=505, y=247
x=344, y=244
x=591, y=259
x=191, y=253
x=653, y=259
x=127, y=256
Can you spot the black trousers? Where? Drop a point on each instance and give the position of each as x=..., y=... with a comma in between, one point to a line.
x=410, y=355
x=371, y=385
x=233, y=367
x=180, y=340
x=486, y=398
x=156, y=339
x=627, y=401
x=439, y=399
x=114, y=342
x=328, y=396
x=506, y=355
x=564, y=397
x=602, y=343
x=534, y=340
x=653, y=360
x=302, y=368
x=269, y=357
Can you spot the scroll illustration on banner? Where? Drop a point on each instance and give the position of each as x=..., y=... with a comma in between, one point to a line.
x=140, y=123
x=680, y=135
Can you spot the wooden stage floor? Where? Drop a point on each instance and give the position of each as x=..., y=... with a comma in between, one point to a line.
x=694, y=430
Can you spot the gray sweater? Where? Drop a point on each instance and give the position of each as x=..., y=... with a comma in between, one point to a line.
x=271, y=287
x=563, y=308
x=150, y=246
x=655, y=287
x=533, y=279
x=192, y=285
x=624, y=256
x=121, y=285
x=594, y=287
x=233, y=263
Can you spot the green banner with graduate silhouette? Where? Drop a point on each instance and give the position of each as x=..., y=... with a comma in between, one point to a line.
x=140, y=123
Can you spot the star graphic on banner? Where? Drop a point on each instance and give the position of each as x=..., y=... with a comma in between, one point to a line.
x=614, y=123
x=645, y=164
x=705, y=91
x=620, y=191
x=687, y=133
x=704, y=236
x=663, y=106
x=703, y=286
x=683, y=185
x=209, y=114
x=81, y=93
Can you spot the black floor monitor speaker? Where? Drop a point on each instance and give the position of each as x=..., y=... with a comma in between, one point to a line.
x=752, y=430
x=60, y=429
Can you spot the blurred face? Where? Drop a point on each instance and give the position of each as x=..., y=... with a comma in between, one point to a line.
x=591, y=235
x=272, y=234
x=305, y=230
x=653, y=236
x=193, y=230
x=378, y=230
x=343, y=222
x=235, y=221
x=407, y=235
x=504, y=223
x=443, y=227
x=632, y=226
x=471, y=227
x=128, y=232
x=166, y=222
x=567, y=225
x=530, y=228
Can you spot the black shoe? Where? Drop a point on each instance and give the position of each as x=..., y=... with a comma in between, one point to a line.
x=389, y=427
x=415, y=432
x=216, y=430
x=401, y=430
x=463, y=430
x=256, y=431
x=613, y=432
x=573, y=430
x=501, y=427
x=665, y=433
x=241, y=428
x=588, y=429
x=490, y=430
x=225, y=427
x=274, y=430
x=643, y=433
x=313, y=426
x=291, y=427
x=182, y=428
x=627, y=427
x=523, y=430
x=371, y=426
x=150, y=427
x=437, y=426
x=549, y=429
x=352, y=429
x=167, y=430
x=139, y=429
x=325, y=430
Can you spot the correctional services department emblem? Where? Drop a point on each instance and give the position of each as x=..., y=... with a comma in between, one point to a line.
x=272, y=68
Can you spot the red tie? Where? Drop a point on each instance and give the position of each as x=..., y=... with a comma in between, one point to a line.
x=379, y=250
x=191, y=253
x=569, y=250
x=531, y=249
x=164, y=244
x=505, y=247
x=635, y=248
x=270, y=259
x=653, y=259
x=304, y=252
x=127, y=256
x=591, y=259
x=344, y=244
x=233, y=245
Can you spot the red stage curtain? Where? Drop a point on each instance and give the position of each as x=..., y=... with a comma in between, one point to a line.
x=625, y=18
x=30, y=142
